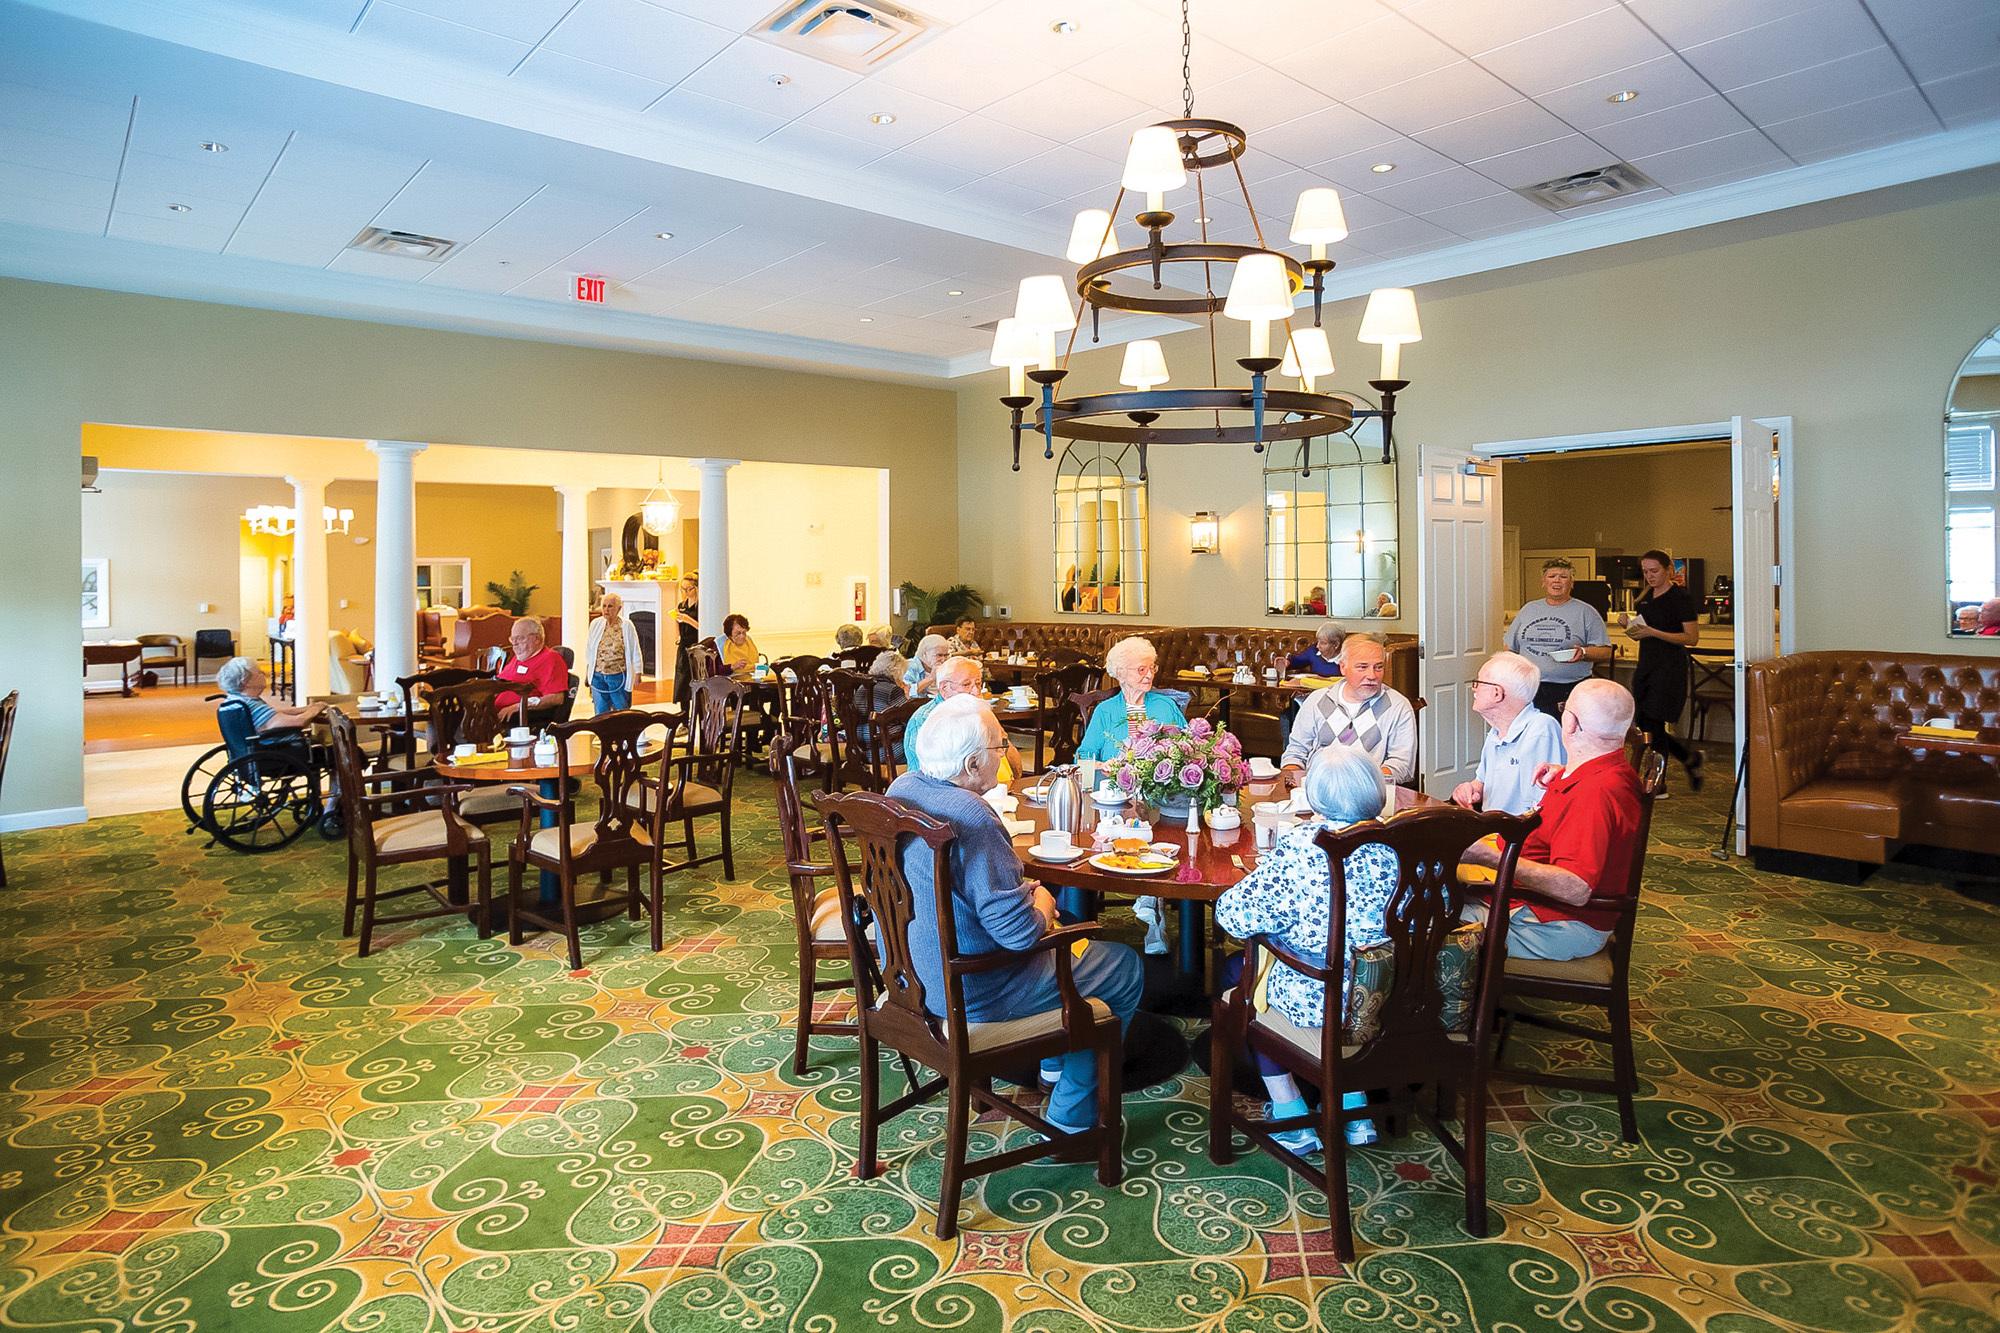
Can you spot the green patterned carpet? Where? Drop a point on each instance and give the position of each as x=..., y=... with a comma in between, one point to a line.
x=215, y=1117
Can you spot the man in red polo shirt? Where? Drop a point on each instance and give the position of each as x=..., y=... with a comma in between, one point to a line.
x=537, y=667
x=1588, y=835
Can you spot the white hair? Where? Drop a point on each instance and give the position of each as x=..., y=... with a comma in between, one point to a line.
x=531, y=623
x=234, y=674
x=889, y=663
x=1344, y=785
x=1126, y=654
x=1514, y=674
x=930, y=649
x=961, y=666
x=882, y=637
x=952, y=735
x=1329, y=630
x=1603, y=709
x=1363, y=636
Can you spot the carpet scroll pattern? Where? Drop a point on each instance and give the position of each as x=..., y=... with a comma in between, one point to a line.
x=215, y=1117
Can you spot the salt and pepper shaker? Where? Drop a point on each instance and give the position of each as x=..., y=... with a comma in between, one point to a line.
x=1193, y=819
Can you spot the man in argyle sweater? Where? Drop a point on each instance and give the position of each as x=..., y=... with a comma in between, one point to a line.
x=1361, y=712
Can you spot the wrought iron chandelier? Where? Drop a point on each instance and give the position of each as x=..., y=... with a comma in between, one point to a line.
x=1262, y=283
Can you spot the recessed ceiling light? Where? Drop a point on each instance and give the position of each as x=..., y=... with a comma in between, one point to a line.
x=1204, y=221
x=211, y=146
x=1383, y=168
x=1628, y=95
x=954, y=292
x=882, y=118
x=1062, y=28
x=868, y=319
x=179, y=208
x=781, y=79
x=663, y=236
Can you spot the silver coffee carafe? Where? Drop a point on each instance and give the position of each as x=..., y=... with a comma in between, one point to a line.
x=1065, y=799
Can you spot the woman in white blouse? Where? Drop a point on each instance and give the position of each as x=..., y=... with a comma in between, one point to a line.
x=1289, y=896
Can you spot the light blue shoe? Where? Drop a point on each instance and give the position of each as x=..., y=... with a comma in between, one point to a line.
x=1359, y=1133
x=1302, y=1140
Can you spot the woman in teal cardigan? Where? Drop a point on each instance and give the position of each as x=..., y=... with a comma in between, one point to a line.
x=1132, y=663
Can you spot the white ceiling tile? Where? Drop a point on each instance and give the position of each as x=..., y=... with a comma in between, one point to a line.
x=634, y=249
x=1967, y=99
x=637, y=38
x=437, y=39
x=1531, y=166
x=1838, y=82
x=312, y=239
x=709, y=116
x=1472, y=26
x=1903, y=114
x=1403, y=236
x=1683, y=23
x=975, y=143
x=1003, y=195
x=1063, y=107
x=145, y=173
x=1660, y=84
x=937, y=69
x=1365, y=211
x=1700, y=183
x=452, y=203
x=1148, y=68
x=180, y=232
x=907, y=169
x=23, y=107
x=331, y=13
x=1559, y=57
x=1115, y=140
x=567, y=77
x=55, y=152
x=523, y=20
x=177, y=132
x=333, y=165
x=1436, y=98
x=1440, y=189
x=1323, y=134
x=1064, y=172
x=1798, y=41
x=203, y=213
x=822, y=147
x=1259, y=28
x=326, y=220
x=1410, y=159
x=745, y=71
x=1746, y=152
x=849, y=113
x=1517, y=125
x=1939, y=50
x=1387, y=50
x=1259, y=100
x=46, y=213
x=1506, y=211
x=1678, y=126
x=736, y=15
x=56, y=187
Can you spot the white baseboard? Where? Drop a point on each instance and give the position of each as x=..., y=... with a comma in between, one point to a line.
x=23, y=820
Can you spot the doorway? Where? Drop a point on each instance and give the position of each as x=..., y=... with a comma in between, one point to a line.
x=1465, y=546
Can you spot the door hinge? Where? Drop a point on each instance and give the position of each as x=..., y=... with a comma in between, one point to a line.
x=1777, y=576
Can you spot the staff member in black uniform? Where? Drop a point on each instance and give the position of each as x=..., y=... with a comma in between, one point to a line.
x=687, y=617
x=1671, y=625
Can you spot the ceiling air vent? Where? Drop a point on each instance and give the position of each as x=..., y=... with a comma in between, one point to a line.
x=1589, y=187
x=860, y=35
x=404, y=245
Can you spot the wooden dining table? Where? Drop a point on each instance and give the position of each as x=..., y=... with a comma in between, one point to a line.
x=1984, y=745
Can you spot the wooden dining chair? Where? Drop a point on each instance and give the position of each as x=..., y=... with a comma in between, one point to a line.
x=704, y=777
x=162, y=653
x=8, y=706
x=857, y=659
x=467, y=714
x=807, y=717
x=626, y=834
x=1420, y=1035
x=867, y=835
x=1601, y=981
x=1081, y=705
x=1057, y=730
x=853, y=697
x=875, y=746
x=414, y=746
x=384, y=830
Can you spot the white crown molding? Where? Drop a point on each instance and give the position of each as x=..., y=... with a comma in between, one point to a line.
x=75, y=260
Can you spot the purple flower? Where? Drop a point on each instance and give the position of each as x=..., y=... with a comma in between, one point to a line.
x=1192, y=775
x=1142, y=748
x=1199, y=728
x=1163, y=771
x=1220, y=767
x=1128, y=778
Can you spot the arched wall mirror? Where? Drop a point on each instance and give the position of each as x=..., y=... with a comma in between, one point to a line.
x=1100, y=530
x=1972, y=494
x=1331, y=526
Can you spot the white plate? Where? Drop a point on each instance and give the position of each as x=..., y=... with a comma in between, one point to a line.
x=1059, y=858
x=1103, y=862
x=1114, y=798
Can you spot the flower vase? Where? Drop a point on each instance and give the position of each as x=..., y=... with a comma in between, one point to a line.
x=1174, y=807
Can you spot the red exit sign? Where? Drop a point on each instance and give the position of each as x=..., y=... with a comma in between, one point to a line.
x=590, y=289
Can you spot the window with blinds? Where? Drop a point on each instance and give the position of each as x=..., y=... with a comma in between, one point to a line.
x=1968, y=457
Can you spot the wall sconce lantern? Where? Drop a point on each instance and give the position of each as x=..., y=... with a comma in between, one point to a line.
x=1204, y=533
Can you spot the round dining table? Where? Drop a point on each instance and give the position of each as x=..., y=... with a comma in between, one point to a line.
x=505, y=768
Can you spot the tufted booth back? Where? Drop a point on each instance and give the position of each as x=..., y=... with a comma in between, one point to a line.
x=1186, y=646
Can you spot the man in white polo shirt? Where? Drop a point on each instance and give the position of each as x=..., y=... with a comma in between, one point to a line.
x=1520, y=738
x=1361, y=711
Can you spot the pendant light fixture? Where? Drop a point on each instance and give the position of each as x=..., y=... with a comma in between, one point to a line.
x=659, y=511
x=1258, y=286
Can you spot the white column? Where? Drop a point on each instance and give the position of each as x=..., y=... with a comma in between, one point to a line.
x=714, y=542
x=395, y=560
x=309, y=596
x=576, y=572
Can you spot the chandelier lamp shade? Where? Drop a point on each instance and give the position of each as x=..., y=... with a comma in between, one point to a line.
x=659, y=511
x=1191, y=271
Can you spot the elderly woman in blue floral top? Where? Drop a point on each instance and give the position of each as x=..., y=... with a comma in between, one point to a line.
x=1289, y=896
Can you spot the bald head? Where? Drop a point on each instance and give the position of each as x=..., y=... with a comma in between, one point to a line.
x=958, y=675
x=1603, y=711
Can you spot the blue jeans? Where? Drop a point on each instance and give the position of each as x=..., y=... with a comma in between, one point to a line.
x=1552, y=941
x=1108, y=972
x=608, y=694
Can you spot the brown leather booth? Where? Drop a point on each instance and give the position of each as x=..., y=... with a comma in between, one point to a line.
x=1827, y=777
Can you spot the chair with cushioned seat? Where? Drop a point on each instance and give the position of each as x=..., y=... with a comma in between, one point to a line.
x=1417, y=1031
x=377, y=838
x=1602, y=980
x=161, y=653
x=626, y=834
x=866, y=834
x=706, y=773
x=467, y=714
x=806, y=716
x=1057, y=728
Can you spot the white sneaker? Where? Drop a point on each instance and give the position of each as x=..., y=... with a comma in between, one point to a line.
x=1147, y=910
x=1156, y=938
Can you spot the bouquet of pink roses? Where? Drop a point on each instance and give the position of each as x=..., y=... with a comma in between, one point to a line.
x=1165, y=765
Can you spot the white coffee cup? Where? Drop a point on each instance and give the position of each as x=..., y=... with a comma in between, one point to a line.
x=464, y=751
x=1054, y=842
x=1270, y=673
x=520, y=736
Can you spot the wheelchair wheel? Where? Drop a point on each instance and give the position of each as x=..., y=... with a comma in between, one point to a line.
x=201, y=775
x=262, y=801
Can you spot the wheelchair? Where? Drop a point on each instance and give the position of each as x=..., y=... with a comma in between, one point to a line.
x=253, y=793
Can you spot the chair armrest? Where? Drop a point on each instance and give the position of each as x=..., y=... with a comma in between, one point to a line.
x=1317, y=971
x=391, y=776
x=534, y=799
x=812, y=868
x=1519, y=893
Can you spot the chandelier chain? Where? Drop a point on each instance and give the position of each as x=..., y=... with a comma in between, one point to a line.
x=1187, y=64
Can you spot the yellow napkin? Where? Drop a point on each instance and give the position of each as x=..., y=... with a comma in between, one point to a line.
x=1315, y=682
x=480, y=760
x=1261, y=998
x=1946, y=733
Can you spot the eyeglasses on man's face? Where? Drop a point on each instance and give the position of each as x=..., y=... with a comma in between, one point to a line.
x=1489, y=685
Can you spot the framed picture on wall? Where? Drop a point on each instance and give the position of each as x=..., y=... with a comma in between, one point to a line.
x=96, y=593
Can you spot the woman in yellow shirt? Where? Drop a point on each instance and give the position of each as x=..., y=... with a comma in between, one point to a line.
x=739, y=650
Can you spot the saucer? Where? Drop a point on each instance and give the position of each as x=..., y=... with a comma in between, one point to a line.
x=1111, y=798
x=1059, y=858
